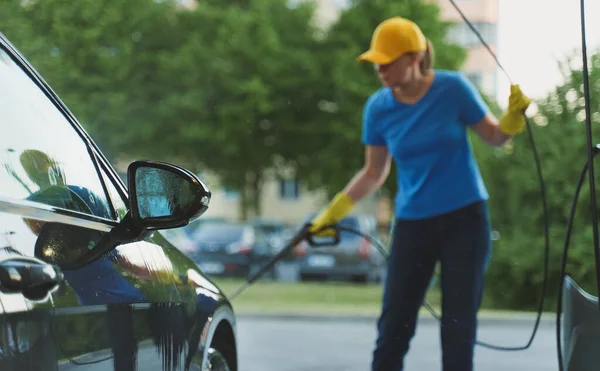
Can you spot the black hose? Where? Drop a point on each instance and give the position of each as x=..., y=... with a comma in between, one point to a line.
x=590, y=146
x=432, y=311
x=563, y=267
x=542, y=192
x=302, y=234
x=592, y=151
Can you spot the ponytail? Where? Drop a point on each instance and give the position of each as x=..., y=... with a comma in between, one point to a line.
x=426, y=63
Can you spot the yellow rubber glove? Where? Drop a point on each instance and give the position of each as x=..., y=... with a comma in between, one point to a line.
x=513, y=120
x=337, y=209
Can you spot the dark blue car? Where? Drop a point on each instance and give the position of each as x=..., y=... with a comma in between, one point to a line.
x=87, y=282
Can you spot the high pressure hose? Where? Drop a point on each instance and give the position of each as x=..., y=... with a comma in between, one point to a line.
x=544, y=202
x=592, y=151
x=563, y=268
x=432, y=311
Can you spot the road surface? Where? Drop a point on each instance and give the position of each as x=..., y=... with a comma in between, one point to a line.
x=307, y=345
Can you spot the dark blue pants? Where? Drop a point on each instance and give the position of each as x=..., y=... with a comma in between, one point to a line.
x=460, y=241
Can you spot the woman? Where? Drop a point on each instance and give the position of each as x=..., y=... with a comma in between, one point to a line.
x=420, y=118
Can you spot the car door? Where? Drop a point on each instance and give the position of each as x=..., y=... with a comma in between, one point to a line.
x=122, y=311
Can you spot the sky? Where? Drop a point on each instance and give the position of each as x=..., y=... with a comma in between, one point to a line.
x=534, y=34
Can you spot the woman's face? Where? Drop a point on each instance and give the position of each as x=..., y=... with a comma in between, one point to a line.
x=399, y=71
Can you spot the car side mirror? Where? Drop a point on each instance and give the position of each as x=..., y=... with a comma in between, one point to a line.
x=165, y=196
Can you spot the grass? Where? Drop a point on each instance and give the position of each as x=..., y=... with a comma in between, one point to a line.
x=329, y=298
x=310, y=298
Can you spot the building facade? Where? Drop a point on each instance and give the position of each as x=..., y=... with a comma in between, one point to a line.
x=480, y=66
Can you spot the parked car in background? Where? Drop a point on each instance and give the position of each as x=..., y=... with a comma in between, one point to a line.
x=231, y=249
x=276, y=232
x=86, y=280
x=190, y=229
x=270, y=228
x=353, y=258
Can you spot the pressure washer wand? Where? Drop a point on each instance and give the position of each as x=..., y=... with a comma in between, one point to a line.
x=301, y=235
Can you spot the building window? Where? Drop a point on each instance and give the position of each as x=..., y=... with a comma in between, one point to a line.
x=461, y=34
x=289, y=189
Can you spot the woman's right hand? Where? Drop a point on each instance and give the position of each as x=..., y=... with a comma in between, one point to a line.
x=368, y=179
x=337, y=209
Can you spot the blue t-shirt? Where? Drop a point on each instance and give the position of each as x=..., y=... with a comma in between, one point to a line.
x=428, y=141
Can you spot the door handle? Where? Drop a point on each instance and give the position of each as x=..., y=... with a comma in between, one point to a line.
x=29, y=276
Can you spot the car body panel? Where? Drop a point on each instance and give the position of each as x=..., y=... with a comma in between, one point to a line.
x=580, y=328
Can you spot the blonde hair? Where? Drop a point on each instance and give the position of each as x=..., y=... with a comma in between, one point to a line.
x=426, y=63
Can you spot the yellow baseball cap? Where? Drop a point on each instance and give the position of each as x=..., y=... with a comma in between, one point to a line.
x=392, y=38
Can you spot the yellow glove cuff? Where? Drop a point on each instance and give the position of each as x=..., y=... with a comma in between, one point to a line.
x=338, y=208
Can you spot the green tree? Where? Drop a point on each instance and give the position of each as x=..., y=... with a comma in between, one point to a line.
x=336, y=151
x=253, y=82
x=102, y=58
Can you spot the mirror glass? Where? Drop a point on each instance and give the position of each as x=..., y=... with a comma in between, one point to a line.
x=162, y=194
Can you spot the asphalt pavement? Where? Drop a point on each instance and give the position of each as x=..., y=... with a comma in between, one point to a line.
x=307, y=344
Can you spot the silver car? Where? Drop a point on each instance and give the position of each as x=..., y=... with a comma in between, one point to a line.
x=353, y=258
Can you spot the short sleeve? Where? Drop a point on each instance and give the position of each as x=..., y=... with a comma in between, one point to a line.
x=472, y=107
x=370, y=135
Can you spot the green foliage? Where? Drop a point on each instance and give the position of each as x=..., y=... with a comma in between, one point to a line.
x=252, y=84
x=235, y=90
x=102, y=58
x=219, y=88
x=516, y=272
x=239, y=88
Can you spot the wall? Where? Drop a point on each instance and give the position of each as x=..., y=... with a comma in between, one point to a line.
x=480, y=66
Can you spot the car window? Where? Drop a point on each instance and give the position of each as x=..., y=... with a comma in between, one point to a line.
x=43, y=158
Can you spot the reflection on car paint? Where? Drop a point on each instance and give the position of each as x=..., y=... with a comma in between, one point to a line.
x=88, y=331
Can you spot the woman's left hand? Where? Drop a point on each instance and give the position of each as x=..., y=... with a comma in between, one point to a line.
x=513, y=120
